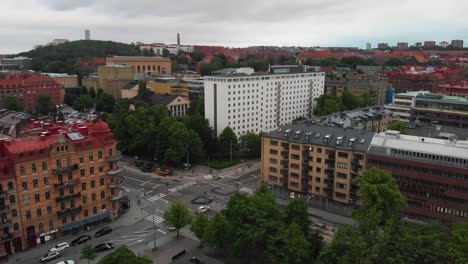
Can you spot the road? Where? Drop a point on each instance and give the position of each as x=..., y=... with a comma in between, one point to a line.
x=150, y=196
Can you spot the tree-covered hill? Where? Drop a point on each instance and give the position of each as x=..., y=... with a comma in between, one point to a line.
x=62, y=57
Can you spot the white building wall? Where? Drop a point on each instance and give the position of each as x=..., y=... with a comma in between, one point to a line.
x=260, y=103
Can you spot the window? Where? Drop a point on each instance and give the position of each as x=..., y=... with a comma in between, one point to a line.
x=35, y=183
x=342, y=154
x=64, y=220
x=94, y=210
x=93, y=184
x=22, y=170
x=319, y=150
x=62, y=206
x=101, y=168
x=91, y=157
x=103, y=194
x=91, y=170
x=273, y=142
x=318, y=170
x=70, y=176
x=81, y=158
x=61, y=192
x=82, y=172
x=16, y=227
x=59, y=163
x=51, y=224
x=342, y=165
x=83, y=186
x=49, y=210
x=85, y=199
x=341, y=175
x=294, y=166
x=12, y=199
x=93, y=197
x=41, y=227
x=272, y=169
x=39, y=212
x=85, y=213
x=273, y=152
x=46, y=180
x=274, y=161
x=24, y=184
x=100, y=155
x=294, y=156
x=71, y=190
x=33, y=168
x=28, y=215
x=340, y=185
x=37, y=197
x=101, y=181
x=45, y=167
x=295, y=147
x=10, y=185
x=14, y=213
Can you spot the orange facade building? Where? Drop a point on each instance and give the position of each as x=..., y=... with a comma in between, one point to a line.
x=58, y=179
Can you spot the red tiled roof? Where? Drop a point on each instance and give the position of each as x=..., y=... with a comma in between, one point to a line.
x=314, y=54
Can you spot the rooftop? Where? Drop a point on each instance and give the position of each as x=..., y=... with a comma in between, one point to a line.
x=163, y=99
x=413, y=93
x=341, y=138
x=354, y=118
x=442, y=98
x=60, y=75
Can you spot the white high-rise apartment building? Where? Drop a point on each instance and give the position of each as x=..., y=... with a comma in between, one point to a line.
x=260, y=102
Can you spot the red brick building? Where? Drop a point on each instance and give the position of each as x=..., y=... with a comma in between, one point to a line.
x=455, y=89
x=56, y=179
x=26, y=86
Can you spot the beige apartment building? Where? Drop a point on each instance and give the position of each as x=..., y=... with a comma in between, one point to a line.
x=113, y=77
x=140, y=64
x=66, y=80
x=318, y=160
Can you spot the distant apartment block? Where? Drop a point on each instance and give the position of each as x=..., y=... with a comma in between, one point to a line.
x=56, y=42
x=174, y=49
x=429, y=43
x=382, y=46
x=169, y=85
x=444, y=44
x=15, y=64
x=457, y=43
x=377, y=90
x=66, y=80
x=140, y=64
x=441, y=109
x=113, y=77
x=196, y=88
x=402, y=104
x=402, y=45
x=260, y=102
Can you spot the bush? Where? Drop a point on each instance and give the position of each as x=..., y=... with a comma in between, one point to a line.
x=222, y=164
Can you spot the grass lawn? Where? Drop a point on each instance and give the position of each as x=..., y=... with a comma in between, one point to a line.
x=222, y=164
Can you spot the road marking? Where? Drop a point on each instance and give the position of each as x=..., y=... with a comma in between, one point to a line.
x=183, y=186
x=156, y=197
x=159, y=230
x=136, y=242
x=157, y=219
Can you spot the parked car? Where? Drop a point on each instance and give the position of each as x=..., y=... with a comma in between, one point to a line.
x=171, y=228
x=104, y=247
x=203, y=209
x=103, y=231
x=60, y=247
x=164, y=171
x=196, y=260
x=81, y=240
x=50, y=256
x=67, y=262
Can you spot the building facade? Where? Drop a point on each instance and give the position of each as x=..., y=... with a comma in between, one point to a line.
x=377, y=90
x=441, y=109
x=382, y=46
x=15, y=64
x=196, y=88
x=260, y=102
x=113, y=77
x=402, y=104
x=402, y=45
x=66, y=80
x=142, y=64
x=169, y=85
x=455, y=89
x=315, y=160
x=429, y=43
x=177, y=105
x=58, y=179
x=457, y=43
x=432, y=173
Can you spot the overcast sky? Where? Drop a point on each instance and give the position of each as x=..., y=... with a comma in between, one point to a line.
x=26, y=23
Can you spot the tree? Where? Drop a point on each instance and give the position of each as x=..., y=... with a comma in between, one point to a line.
x=105, y=102
x=399, y=126
x=289, y=246
x=251, y=144
x=218, y=233
x=207, y=68
x=88, y=252
x=43, y=104
x=123, y=255
x=12, y=103
x=297, y=212
x=178, y=216
x=199, y=226
x=179, y=143
x=92, y=92
x=148, y=52
x=166, y=53
x=458, y=243
x=394, y=62
x=83, y=102
x=228, y=141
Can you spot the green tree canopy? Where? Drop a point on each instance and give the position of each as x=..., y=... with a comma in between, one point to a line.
x=199, y=226
x=88, y=252
x=251, y=144
x=296, y=212
x=123, y=255
x=399, y=126
x=12, y=103
x=166, y=53
x=43, y=104
x=218, y=233
x=83, y=102
x=178, y=216
x=289, y=246
x=105, y=102
x=227, y=140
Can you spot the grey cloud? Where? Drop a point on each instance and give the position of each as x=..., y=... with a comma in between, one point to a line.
x=63, y=5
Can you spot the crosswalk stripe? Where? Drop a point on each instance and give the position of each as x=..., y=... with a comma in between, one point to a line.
x=157, y=219
x=156, y=197
x=183, y=186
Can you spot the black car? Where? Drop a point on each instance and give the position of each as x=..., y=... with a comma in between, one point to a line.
x=196, y=260
x=81, y=240
x=104, y=247
x=103, y=231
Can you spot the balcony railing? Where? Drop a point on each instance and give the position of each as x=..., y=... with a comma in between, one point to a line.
x=65, y=169
x=114, y=158
x=69, y=211
x=3, y=193
x=5, y=222
x=115, y=171
x=68, y=197
x=67, y=184
x=4, y=208
x=6, y=237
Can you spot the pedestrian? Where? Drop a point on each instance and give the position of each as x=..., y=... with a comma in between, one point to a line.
x=138, y=202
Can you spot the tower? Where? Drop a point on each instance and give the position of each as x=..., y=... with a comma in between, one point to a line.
x=178, y=39
x=87, y=34
x=368, y=46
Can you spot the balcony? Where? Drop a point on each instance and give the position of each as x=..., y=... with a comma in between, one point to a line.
x=5, y=222
x=117, y=196
x=6, y=237
x=4, y=208
x=114, y=158
x=115, y=171
x=114, y=185
x=3, y=194
x=69, y=211
x=67, y=184
x=67, y=197
x=65, y=169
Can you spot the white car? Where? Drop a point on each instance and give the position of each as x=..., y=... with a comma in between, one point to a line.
x=67, y=262
x=60, y=247
x=50, y=256
x=203, y=209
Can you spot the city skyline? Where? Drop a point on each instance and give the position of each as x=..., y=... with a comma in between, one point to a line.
x=317, y=23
